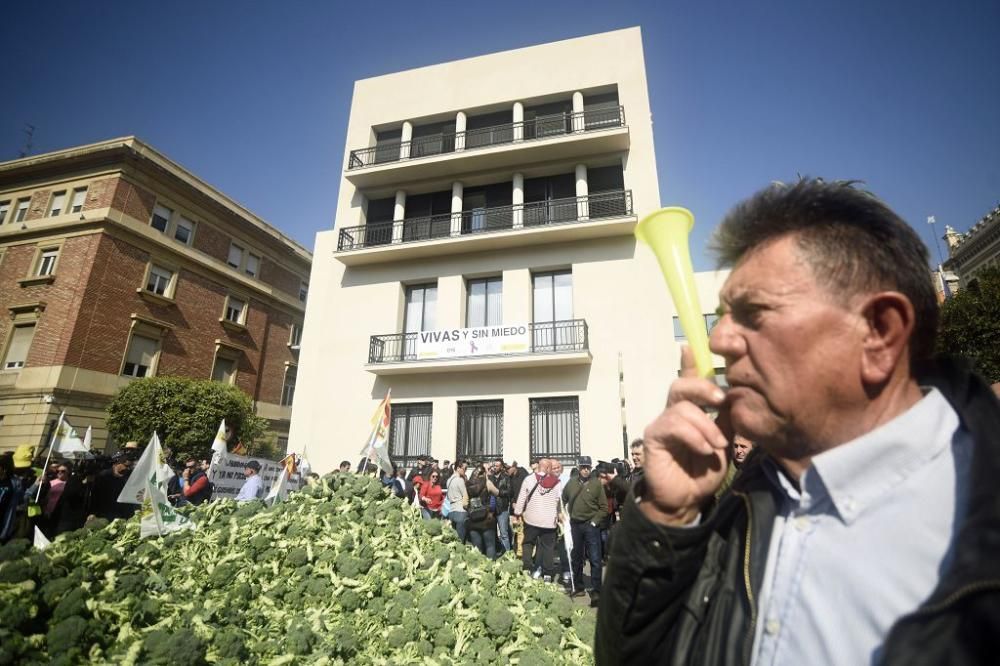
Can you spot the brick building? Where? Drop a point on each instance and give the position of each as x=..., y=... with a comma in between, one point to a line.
x=116, y=263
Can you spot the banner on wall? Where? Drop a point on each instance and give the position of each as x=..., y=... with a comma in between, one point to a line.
x=479, y=341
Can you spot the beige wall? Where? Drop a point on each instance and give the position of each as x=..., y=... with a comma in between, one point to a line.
x=617, y=286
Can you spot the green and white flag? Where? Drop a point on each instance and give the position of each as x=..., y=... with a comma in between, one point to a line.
x=148, y=486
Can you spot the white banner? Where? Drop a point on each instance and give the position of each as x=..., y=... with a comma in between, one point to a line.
x=480, y=341
x=228, y=477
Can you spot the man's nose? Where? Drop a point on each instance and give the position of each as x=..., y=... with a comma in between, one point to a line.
x=725, y=338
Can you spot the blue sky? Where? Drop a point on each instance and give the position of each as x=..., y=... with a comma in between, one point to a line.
x=253, y=96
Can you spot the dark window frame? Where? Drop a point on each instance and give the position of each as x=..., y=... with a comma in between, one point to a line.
x=472, y=417
x=546, y=410
x=410, y=414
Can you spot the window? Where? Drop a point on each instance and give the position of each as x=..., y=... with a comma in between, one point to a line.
x=253, y=265
x=235, y=256
x=288, y=388
x=4, y=209
x=484, y=306
x=22, y=209
x=161, y=218
x=236, y=310
x=47, y=262
x=295, y=337
x=555, y=429
x=552, y=295
x=58, y=201
x=480, y=430
x=711, y=319
x=18, y=346
x=79, y=196
x=224, y=370
x=303, y=290
x=160, y=281
x=410, y=433
x=184, y=230
x=421, y=303
x=140, y=356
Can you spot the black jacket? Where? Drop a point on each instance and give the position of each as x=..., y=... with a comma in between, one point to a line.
x=688, y=596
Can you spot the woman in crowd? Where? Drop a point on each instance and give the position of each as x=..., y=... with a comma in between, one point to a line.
x=482, y=521
x=431, y=495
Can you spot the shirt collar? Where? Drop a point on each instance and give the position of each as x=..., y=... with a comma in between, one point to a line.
x=857, y=473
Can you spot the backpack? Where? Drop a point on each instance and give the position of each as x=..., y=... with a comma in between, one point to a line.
x=477, y=510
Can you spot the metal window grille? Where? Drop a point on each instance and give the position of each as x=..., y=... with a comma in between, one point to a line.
x=480, y=430
x=410, y=433
x=555, y=429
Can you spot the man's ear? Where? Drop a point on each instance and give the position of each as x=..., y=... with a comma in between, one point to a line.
x=889, y=320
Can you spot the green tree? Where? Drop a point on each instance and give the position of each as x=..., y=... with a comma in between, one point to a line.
x=970, y=324
x=185, y=413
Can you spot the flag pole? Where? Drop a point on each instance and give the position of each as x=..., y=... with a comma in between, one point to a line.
x=48, y=455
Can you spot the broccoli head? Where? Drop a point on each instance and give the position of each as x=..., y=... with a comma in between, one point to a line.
x=431, y=619
x=74, y=603
x=444, y=637
x=296, y=557
x=433, y=526
x=499, y=621
x=482, y=649
x=164, y=648
x=67, y=637
x=146, y=612
x=344, y=641
x=299, y=639
x=349, y=600
x=14, y=549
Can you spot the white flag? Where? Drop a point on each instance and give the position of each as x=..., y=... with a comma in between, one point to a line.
x=279, y=490
x=41, y=542
x=931, y=220
x=88, y=438
x=151, y=462
x=377, y=447
x=68, y=442
x=219, y=447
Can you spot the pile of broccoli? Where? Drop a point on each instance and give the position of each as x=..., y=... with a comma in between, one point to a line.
x=339, y=573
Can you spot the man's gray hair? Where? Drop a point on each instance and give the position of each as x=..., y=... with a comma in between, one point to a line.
x=853, y=242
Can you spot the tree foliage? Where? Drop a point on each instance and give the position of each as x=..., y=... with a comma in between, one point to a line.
x=185, y=413
x=970, y=324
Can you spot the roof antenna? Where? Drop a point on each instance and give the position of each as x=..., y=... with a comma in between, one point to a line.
x=29, y=131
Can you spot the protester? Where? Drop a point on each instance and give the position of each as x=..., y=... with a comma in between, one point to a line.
x=458, y=499
x=501, y=479
x=587, y=507
x=862, y=532
x=108, y=486
x=252, y=487
x=481, y=525
x=345, y=466
x=741, y=448
x=197, y=488
x=431, y=496
x=75, y=504
x=537, y=506
x=11, y=497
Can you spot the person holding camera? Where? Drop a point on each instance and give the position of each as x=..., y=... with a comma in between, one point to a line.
x=587, y=506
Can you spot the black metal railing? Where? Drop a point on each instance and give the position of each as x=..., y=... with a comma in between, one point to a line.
x=569, y=335
x=541, y=127
x=596, y=206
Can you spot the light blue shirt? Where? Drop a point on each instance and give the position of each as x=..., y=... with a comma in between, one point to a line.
x=250, y=489
x=865, y=539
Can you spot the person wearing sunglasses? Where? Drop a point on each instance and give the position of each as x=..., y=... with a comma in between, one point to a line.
x=431, y=496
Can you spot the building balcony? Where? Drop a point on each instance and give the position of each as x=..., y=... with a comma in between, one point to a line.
x=543, y=344
x=556, y=220
x=544, y=138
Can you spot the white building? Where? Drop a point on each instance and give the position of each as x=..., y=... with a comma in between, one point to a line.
x=483, y=264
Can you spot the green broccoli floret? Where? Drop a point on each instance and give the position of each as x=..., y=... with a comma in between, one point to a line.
x=394, y=614
x=344, y=641
x=146, y=612
x=14, y=549
x=299, y=639
x=96, y=525
x=229, y=644
x=348, y=565
x=561, y=607
x=483, y=650
x=349, y=600
x=431, y=619
x=56, y=589
x=433, y=526
x=73, y=604
x=585, y=625
x=296, y=557
x=67, y=637
x=435, y=597
x=15, y=571
x=499, y=621
x=459, y=577
x=375, y=607
x=163, y=648
x=315, y=587
x=444, y=638
x=222, y=575
x=16, y=612
x=130, y=585
x=536, y=658
x=424, y=648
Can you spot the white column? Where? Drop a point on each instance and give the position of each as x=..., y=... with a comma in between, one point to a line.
x=518, y=119
x=405, y=138
x=460, y=131
x=582, y=191
x=456, y=208
x=517, y=199
x=398, y=214
x=578, y=123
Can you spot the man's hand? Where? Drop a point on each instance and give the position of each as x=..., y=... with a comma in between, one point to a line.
x=686, y=451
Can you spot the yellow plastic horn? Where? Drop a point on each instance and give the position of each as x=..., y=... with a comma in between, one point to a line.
x=666, y=233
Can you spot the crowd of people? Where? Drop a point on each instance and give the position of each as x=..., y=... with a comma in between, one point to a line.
x=506, y=509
